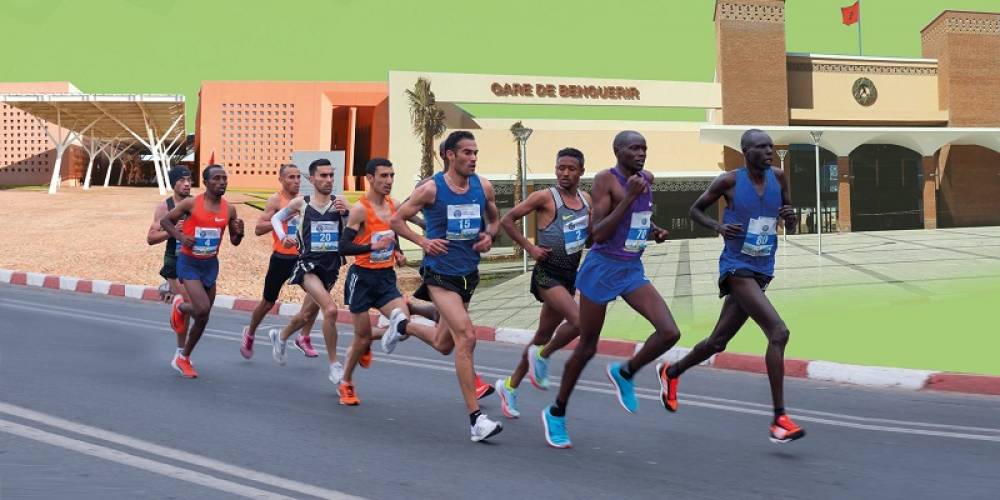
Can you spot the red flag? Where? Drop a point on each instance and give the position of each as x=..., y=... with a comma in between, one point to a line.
x=211, y=159
x=851, y=13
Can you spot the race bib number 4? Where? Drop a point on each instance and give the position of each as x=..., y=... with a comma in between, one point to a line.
x=206, y=241
x=464, y=222
x=638, y=230
x=575, y=234
x=323, y=236
x=762, y=236
x=383, y=255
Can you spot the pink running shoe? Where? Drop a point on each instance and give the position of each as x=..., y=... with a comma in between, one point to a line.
x=246, y=346
x=304, y=344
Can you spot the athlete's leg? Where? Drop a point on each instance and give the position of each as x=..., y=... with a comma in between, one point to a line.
x=456, y=317
x=647, y=302
x=310, y=319
x=307, y=314
x=424, y=309
x=426, y=333
x=565, y=306
x=199, y=307
x=747, y=292
x=591, y=321
x=177, y=288
x=362, y=343
x=548, y=320
x=313, y=286
x=731, y=319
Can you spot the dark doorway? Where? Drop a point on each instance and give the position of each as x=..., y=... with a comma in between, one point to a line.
x=885, y=188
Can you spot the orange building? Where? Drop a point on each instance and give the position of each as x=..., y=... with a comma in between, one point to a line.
x=251, y=127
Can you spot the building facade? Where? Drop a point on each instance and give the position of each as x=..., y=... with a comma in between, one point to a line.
x=26, y=153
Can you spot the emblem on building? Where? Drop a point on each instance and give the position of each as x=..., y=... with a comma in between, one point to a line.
x=864, y=92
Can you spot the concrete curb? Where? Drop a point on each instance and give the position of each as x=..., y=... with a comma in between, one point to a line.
x=872, y=376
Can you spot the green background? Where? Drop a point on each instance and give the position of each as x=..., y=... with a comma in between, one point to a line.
x=170, y=46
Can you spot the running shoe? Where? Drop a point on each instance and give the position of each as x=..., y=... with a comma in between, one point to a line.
x=177, y=319
x=278, y=348
x=482, y=389
x=538, y=368
x=365, y=360
x=555, y=429
x=668, y=387
x=783, y=430
x=392, y=336
x=336, y=372
x=485, y=428
x=246, y=345
x=347, y=395
x=624, y=388
x=508, y=398
x=183, y=365
x=304, y=343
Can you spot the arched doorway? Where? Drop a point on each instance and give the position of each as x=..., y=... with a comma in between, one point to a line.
x=800, y=165
x=886, y=188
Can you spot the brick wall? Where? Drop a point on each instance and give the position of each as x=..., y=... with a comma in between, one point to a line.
x=970, y=188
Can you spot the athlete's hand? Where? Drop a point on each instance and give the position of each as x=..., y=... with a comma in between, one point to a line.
x=635, y=186
x=538, y=253
x=400, y=258
x=660, y=234
x=289, y=242
x=180, y=225
x=787, y=213
x=731, y=231
x=484, y=244
x=236, y=226
x=435, y=247
x=382, y=244
x=187, y=240
x=340, y=204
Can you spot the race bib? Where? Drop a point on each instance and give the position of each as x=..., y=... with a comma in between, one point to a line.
x=762, y=236
x=383, y=255
x=206, y=241
x=292, y=228
x=575, y=234
x=638, y=229
x=324, y=236
x=464, y=222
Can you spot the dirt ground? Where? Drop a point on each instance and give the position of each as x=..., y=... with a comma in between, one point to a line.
x=101, y=234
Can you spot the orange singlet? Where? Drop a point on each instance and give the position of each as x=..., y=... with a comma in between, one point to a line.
x=206, y=227
x=290, y=226
x=374, y=230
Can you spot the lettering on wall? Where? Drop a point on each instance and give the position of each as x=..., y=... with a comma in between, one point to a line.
x=553, y=91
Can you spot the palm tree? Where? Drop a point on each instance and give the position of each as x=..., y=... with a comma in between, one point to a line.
x=428, y=123
x=516, y=130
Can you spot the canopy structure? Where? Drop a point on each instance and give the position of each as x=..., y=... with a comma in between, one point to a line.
x=841, y=141
x=155, y=121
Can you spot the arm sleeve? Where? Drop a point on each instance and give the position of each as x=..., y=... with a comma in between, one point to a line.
x=277, y=219
x=348, y=246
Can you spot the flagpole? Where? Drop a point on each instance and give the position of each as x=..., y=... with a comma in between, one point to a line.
x=861, y=51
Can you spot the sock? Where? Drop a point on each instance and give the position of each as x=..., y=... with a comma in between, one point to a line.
x=558, y=409
x=402, y=326
x=473, y=416
x=506, y=383
x=625, y=372
x=180, y=351
x=538, y=353
x=672, y=371
x=778, y=412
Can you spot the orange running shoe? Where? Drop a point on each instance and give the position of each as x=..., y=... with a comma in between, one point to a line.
x=347, y=395
x=482, y=389
x=668, y=387
x=783, y=430
x=183, y=365
x=365, y=360
x=177, y=319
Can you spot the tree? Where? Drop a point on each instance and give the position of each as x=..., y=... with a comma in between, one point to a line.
x=428, y=123
x=520, y=133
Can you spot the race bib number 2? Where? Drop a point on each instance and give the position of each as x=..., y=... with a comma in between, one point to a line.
x=638, y=230
x=324, y=236
x=575, y=234
x=464, y=222
x=206, y=241
x=762, y=236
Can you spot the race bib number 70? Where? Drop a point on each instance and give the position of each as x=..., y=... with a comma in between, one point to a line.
x=638, y=230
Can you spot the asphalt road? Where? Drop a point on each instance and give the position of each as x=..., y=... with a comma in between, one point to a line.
x=90, y=408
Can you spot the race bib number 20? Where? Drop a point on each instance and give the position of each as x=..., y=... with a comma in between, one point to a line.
x=324, y=236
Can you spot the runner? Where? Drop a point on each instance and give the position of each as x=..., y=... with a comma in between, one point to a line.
x=621, y=221
x=317, y=237
x=281, y=265
x=371, y=280
x=756, y=195
x=455, y=206
x=564, y=213
x=208, y=216
x=180, y=182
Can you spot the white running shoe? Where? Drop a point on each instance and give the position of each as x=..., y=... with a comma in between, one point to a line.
x=336, y=373
x=278, y=348
x=392, y=336
x=485, y=428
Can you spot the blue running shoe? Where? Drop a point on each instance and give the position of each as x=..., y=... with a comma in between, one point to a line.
x=625, y=388
x=508, y=398
x=538, y=368
x=555, y=429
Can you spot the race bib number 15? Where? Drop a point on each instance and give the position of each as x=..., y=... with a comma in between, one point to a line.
x=464, y=222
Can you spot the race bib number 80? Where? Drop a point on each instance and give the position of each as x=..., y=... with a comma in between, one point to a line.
x=638, y=230
x=324, y=236
x=464, y=222
x=206, y=241
x=762, y=236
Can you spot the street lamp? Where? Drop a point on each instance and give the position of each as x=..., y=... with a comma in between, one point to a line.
x=522, y=134
x=781, y=157
x=816, y=136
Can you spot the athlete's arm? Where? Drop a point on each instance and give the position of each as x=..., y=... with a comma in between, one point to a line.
x=659, y=234
x=492, y=219
x=355, y=220
x=235, y=227
x=786, y=212
x=604, y=220
x=718, y=189
x=169, y=221
x=422, y=196
x=534, y=202
x=156, y=234
x=264, y=221
x=293, y=207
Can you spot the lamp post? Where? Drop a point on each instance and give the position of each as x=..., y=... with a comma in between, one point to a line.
x=816, y=136
x=522, y=134
x=781, y=157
